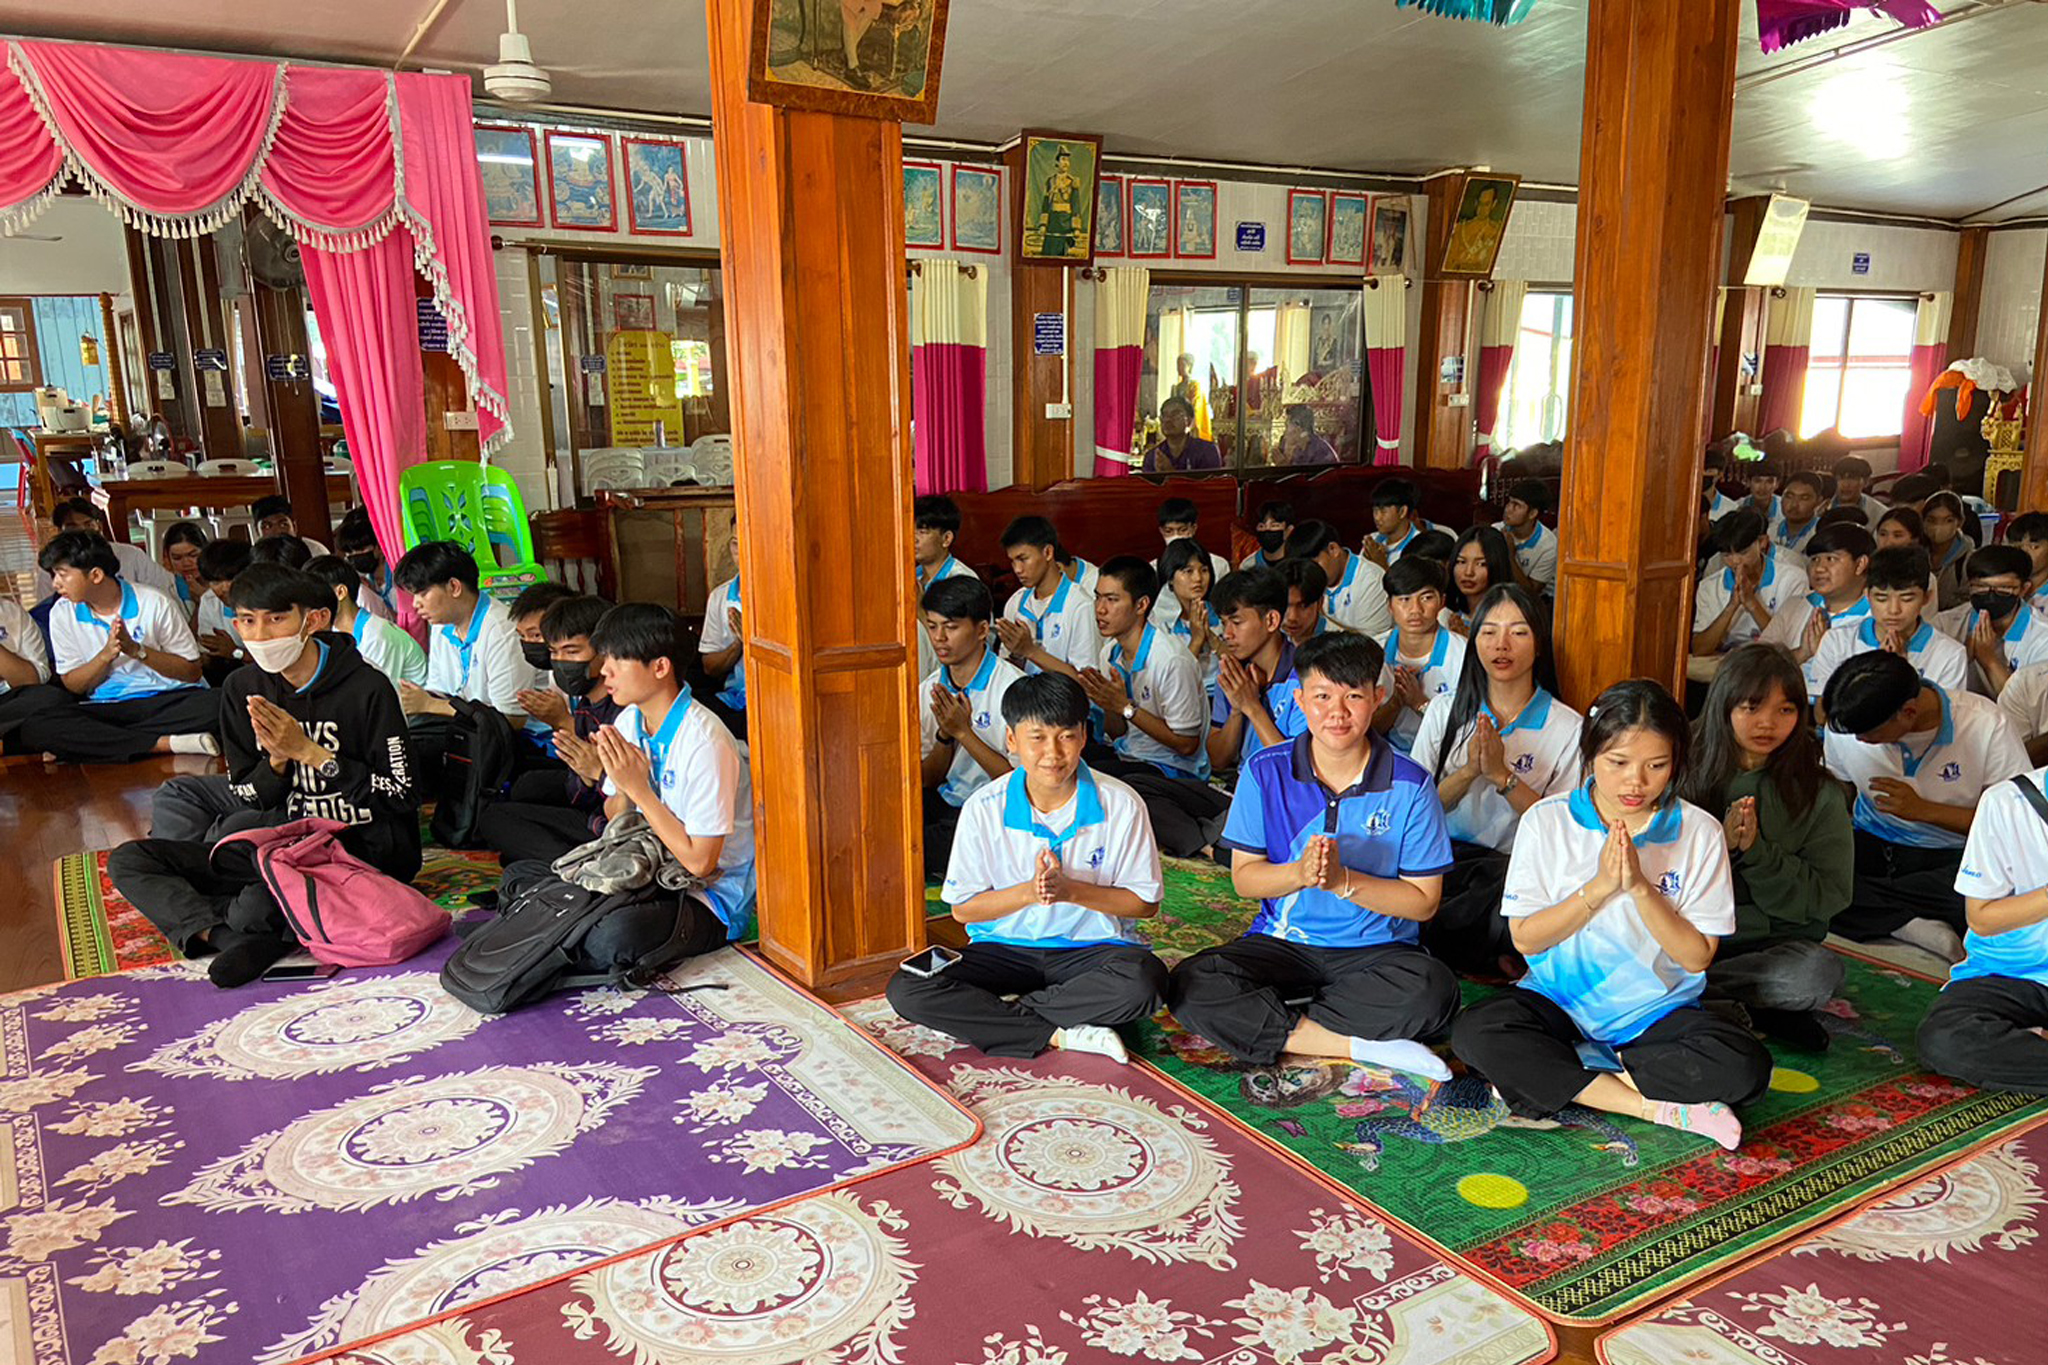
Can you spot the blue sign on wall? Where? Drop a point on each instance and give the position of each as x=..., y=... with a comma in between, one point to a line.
x=163, y=360
x=1048, y=334
x=433, y=327
x=1861, y=264
x=210, y=360
x=1251, y=236
x=592, y=364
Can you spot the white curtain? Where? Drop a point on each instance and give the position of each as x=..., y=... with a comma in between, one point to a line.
x=1120, y=300
x=948, y=305
x=1290, y=343
x=1499, y=327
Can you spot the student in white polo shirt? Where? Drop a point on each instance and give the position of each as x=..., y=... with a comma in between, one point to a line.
x=1052, y=867
x=2001, y=633
x=1186, y=578
x=134, y=564
x=1534, y=544
x=935, y=521
x=472, y=649
x=1920, y=758
x=2025, y=703
x=1986, y=1028
x=1618, y=894
x=1357, y=595
x=1275, y=524
x=675, y=763
x=1742, y=588
x=1837, y=572
x=127, y=661
x=24, y=664
x=1424, y=657
x=1495, y=747
x=1397, y=519
x=721, y=682
x=1798, y=512
x=1048, y=624
x=1896, y=588
x=962, y=712
x=382, y=644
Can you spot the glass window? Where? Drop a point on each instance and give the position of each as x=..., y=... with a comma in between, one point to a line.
x=20, y=367
x=1275, y=376
x=1540, y=376
x=1859, y=367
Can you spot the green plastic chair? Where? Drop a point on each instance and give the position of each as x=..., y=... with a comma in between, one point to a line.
x=479, y=508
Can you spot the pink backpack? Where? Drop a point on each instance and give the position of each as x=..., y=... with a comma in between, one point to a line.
x=343, y=910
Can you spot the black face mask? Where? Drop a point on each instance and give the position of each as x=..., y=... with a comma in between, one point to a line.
x=1995, y=603
x=573, y=676
x=1271, y=541
x=364, y=564
x=535, y=653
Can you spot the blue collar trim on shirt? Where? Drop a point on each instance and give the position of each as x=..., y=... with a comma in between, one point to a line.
x=1770, y=575
x=1438, y=651
x=981, y=674
x=1284, y=668
x=1860, y=607
x=464, y=641
x=1534, y=716
x=131, y=607
x=937, y=573
x=1377, y=777
x=1662, y=829
x=1116, y=657
x=1944, y=735
x=356, y=631
x=1019, y=816
x=1059, y=601
x=1867, y=633
x=1350, y=572
x=1414, y=530
x=1535, y=538
x=318, y=668
x=658, y=742
x=2015, y=632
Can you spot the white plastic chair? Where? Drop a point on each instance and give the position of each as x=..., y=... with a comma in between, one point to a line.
x=613, y=467
x=664, y=465
x=224, y=519
x=158, y=520
x=342, y=464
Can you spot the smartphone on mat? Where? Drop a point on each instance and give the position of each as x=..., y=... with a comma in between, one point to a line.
x=302, y=971
x=931, y=961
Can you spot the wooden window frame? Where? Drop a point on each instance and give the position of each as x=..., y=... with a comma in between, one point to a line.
x=31, y=353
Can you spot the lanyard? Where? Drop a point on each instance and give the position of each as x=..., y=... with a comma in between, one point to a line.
x=465, y=646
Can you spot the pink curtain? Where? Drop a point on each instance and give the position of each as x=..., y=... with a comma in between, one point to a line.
x=349, y=161
x=1788, y=341
x=949, y=404
x=1930, y=358
x=1780, y=23
x=1117, y=370
x=1386, y=363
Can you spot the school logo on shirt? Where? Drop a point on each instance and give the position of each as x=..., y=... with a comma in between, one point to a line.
x=981, y=719
x=1669, y=885
x=1055, y=631
x=1095, y=858
x=1952, y=773
x=1379, y=822
x=1525, y=764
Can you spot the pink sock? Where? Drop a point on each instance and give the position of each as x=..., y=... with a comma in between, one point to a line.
x=1711, y=1120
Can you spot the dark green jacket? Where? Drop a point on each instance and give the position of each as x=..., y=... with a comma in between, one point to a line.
x=1798, y=874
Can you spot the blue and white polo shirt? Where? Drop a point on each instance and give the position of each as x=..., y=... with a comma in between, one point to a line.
x=1939, y=658
x=1165, y=680
x=153, y=619
x=1541, y=747
x=2007, y=855
x=1063, y=622
x=1358, y=599
x=701, y=777
x=984, y=696
x=719, y=637
x=1974, y=748
x=1439, y=668
x=1283, y=701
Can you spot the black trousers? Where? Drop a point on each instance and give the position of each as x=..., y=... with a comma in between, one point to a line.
x=1105, y=983
x=1791, y=974
x=1900, y=882
x=1246, y=996
x=200, y=901
x=521, y=829
x=1981, y=1030
x=1187, y=815
x=1527, y=1046
x=941, y=818
x=51, y=719
x=204, y=809
x=1468, y=931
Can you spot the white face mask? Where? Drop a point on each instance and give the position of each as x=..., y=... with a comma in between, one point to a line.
x=275, y=656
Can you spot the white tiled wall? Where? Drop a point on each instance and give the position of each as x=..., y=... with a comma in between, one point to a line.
x=2011, y=313
x=1539, y=242
x=1904, y=258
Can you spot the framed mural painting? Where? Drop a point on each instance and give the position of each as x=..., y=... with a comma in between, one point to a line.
x=1151, y=218
x=1308, y=226
x=657, y=187
x=509, y=165
x=580, y=182
x=1111, y=217
x=1194, y=220
x=874, y=58
x=978, y=209
x=1348, y=215
x=924, y=212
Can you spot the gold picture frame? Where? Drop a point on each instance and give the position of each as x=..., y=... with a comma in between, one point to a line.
x=800, y=58
x=1479, y=226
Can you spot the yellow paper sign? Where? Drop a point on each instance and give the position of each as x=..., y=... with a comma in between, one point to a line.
x=641, y=369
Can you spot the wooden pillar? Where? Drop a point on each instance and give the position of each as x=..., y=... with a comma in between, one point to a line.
x=1734, y=406
x=1971, y=247
x=451, y=418
x=293, y=407
x=2033, y=496
x=1041, y=445
x=1652, y=175
x=218, y=424
x=156, y=315
x=114, y=356
x=1443, y=410
x=810, y=209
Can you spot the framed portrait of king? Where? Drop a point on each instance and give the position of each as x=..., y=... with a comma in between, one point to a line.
x=1479, y=225
x=1056, y=198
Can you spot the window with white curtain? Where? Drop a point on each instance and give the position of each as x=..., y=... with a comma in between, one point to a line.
x=1860, y=365
x=1540, y=378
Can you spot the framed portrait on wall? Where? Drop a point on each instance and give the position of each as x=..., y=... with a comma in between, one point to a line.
x=509, y=164
x=1308, y=226
x=1151, y=218
x=1348, y=214
x=924, y=212
x=633, y=312
x=1111, y=217
x=1389, y=236
x=877, y=60
x=978, y=209
x=657, y=187
x=1056, y=202
x=1479, y=225
x=580, y=182
x=1194, y=219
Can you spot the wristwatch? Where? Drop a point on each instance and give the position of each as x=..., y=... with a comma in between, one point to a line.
x=330, y=769
x=1130, y=710
x=1508, y=786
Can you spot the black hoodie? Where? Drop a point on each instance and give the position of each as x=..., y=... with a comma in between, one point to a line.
x=350, y=709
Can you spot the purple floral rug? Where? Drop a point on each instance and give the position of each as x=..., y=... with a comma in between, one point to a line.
x=270, y=1174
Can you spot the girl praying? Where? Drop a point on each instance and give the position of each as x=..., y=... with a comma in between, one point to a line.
x=1185, y=571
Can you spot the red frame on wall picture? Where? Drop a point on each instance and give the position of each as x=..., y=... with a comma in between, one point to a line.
x=633, y=223
x=611, y=179
x=1215, y=212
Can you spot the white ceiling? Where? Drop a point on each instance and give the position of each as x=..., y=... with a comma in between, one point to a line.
x=1949, y=123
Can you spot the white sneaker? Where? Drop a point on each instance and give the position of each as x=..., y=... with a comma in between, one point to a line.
x=1095, y=1038
x=195, y=744
x=1400, y=1054
x=1932, y=936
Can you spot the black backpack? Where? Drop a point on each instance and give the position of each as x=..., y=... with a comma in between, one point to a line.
x=475, y=766
x=552, y=935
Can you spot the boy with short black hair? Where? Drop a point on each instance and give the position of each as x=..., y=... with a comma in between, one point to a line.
x=961, y=717
x=1180, y=519
x=1396, y=515
x=1307, y=588
x=1343, y=842
x=288, y=551
x=934, y=522
x=271, y=515
x=1051, y=869
x=527, y=610
x=1425, y=658
x=1837, y=573
x=674, y=762
x=1521, y=521
x=1256, y=702
x=1920, y=757
x=1048, y=624
x=134, y=563
x=1743, y=588
x=1715, y=504
x=220, y=562
x=1996, y=627
x=382, y=644
x=1274, y=525
x=355, y=540
x=1852, y=477
x=310, y=731
x=473, y=651
x=1798, y=512
x=1762, y=478
x=1896, y=587
x=2029, y=531
x=1357, y=596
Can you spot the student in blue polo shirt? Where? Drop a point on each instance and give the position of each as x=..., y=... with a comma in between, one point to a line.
x=1396, y=507
x=1987, y=1026
x=1357, y=595
x=1051, y=868
x=1307, y=589
x=1920, y=757
x=1426, y=657
x=1257, y=694
x=962, y=716
x=2001, y=633
x=1896, y=588
x=1275, y=524
x=1343, y=842
x=1048, y=625
x=1618, y=893
x=1534, y=544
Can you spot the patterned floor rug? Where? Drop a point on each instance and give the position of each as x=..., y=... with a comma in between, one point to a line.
x=1099, y=1218
x=1948, y=1272
x=99, y=932
x=271, y=1174
x=1591, y=1217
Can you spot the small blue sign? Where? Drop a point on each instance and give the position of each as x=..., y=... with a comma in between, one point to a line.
x=1251, y=236
x=1048, y=334
x=433, y=327
x=210, y=360
x=1860, y=265
x=282, y=369
x=163, y=361
x=592, y=364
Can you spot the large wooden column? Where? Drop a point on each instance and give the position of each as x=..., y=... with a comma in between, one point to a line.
x=1971, y=246
x=810, y=211
x=1653, y=172
x=1734, y=403
x=1041, y=442
x=1443, y=409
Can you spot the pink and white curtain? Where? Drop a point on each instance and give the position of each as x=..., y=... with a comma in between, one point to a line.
x=1499, y=327
x=1930, y=358
x=1119, y=360
x=1386, y=361
x=1788, y=338
x=373, y=173
x=949, y=376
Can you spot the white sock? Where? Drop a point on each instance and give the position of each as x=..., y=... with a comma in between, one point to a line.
x=1400, y=1054
x=195, y=744
x=1095, y=1038
x=1932, y=936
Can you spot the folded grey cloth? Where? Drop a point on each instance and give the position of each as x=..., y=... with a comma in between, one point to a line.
x=626, y=856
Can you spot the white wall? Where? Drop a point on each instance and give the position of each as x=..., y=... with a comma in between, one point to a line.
x=1908, y=259
x=2011, y=313
x=89, y=257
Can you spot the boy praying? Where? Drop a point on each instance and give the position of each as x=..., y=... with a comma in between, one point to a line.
x=1426, y=658
x=1048, y=624
x=1256, y=701
x=961, y=718
x=2000, y=631
x=1896, y=587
